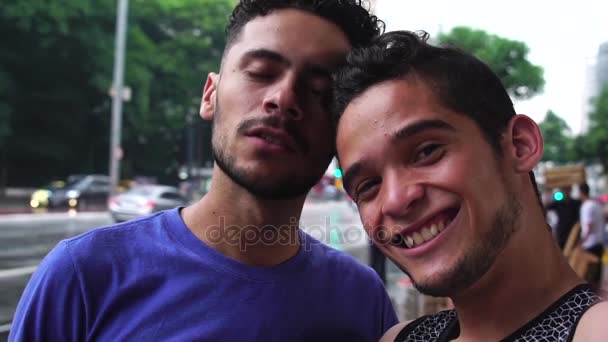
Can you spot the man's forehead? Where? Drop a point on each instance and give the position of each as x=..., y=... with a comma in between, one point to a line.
x=293, y=33
x=395, y=103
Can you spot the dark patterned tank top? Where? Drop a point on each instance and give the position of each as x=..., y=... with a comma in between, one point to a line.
x=556, y=324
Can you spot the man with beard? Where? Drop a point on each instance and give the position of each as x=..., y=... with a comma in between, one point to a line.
x=233, y=266
x=440, y=167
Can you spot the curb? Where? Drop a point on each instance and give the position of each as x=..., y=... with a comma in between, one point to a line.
x=53, y=216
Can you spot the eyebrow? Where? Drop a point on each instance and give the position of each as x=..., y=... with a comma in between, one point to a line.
x=313, y=69
x=266, y=54
x=419, y=127
x=406, y=131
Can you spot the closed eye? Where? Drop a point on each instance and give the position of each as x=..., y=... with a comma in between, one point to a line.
x=260, y=76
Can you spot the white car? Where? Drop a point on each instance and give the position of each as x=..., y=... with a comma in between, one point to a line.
x=144, y=200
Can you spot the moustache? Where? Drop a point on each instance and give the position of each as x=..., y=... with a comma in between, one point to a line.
x=276, y=122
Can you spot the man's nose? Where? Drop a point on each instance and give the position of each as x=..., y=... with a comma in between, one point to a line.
x=400, y=198
x=283, y=99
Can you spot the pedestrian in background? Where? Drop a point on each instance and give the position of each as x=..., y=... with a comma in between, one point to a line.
x=592, y=232
x=567, y=211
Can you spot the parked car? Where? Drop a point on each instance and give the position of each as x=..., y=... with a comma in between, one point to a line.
x=143, y=200
x=82, y=191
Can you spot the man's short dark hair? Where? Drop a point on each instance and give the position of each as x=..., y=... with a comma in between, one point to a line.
x=359, y=25
x=584, y=189
x=460, y=81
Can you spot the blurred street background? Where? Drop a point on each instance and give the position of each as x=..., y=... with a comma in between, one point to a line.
x=99, y=117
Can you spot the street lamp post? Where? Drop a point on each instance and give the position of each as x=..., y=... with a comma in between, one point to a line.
x=117, y=94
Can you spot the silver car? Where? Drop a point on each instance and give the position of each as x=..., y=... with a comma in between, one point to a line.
x=144, y=200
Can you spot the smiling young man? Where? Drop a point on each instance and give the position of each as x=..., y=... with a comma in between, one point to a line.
x=233, y=266
x=440, y=167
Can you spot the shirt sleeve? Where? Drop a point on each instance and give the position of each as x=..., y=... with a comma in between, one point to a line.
x=51, y=306
x=390, y=317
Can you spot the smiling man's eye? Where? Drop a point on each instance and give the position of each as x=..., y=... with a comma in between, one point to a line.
x=428, y=153
x=364, y=190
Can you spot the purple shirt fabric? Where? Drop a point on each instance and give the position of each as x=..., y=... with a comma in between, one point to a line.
x=152, y=280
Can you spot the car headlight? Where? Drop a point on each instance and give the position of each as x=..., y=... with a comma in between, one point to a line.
x=73, y=194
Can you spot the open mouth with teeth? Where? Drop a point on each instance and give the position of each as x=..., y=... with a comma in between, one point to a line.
x=410, y=238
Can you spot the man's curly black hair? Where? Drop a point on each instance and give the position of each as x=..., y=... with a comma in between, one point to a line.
x=459, y=81
x=350, y=15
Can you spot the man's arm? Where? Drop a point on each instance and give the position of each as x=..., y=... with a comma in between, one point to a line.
x=51, y=307
x=393, y=332
x=592, y=326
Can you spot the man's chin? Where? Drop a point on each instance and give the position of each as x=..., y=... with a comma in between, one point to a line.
x=438, y=283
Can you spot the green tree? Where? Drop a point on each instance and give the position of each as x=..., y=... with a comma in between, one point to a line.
x=49, y=56
x=507, y=58
x=597, y=136
x=56, y=62
x=557, y=137
x=173, y=45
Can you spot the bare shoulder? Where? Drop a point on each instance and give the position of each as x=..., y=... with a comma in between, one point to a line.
x=592, y=326
x=392, y=333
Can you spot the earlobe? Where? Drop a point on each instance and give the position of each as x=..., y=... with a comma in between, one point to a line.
x=524, y=143
x=208, y=102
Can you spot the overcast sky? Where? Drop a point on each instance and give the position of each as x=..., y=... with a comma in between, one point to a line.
x=563, y=37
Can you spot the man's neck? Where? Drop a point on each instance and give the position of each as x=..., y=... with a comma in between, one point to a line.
x=244, y=227
x=528, y=276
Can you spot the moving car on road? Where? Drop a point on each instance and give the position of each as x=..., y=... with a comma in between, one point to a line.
x=144, y=200
x=91, y=191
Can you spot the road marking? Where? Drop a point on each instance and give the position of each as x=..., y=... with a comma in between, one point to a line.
x=17, y=272
x=5, y=327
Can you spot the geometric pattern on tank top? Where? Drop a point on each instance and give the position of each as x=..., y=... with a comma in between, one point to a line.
x=431, y=328
x=554, y=326
x=558, y=324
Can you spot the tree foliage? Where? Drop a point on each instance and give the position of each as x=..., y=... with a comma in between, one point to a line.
x=558, y=140
x=597, y=136
x=56, y=60
x=507, y=58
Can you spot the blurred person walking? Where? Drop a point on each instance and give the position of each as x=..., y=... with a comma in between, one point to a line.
x=592, y=232
x=567, y=211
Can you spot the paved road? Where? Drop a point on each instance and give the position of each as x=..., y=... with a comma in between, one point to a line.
x=26, y=239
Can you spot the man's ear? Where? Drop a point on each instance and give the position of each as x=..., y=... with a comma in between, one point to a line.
x=523, y=143
x=208, y=101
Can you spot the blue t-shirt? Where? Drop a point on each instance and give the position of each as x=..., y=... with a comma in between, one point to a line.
x=153, y=280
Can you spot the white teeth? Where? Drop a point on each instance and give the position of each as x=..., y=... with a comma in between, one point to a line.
x=418, y=239
x=434, y=230
x=426, y=234
x=409, y=242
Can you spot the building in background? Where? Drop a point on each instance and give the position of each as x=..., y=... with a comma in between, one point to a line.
x=597, y=76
